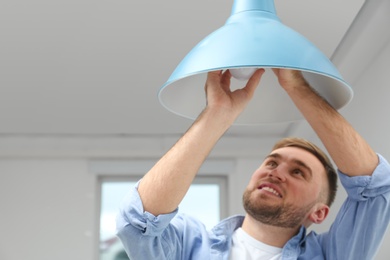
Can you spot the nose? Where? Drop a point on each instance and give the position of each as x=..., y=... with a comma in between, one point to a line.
x=278, y=174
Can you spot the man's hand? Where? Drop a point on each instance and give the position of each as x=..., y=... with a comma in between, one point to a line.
x=289, y=79
x=219, y=96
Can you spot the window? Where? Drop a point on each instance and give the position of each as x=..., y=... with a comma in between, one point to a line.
x=204, y=200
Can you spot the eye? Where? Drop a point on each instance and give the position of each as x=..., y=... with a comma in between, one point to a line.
x=271, y=163
x=298, y=172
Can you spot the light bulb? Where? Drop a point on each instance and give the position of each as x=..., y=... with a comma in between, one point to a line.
x=242, y=73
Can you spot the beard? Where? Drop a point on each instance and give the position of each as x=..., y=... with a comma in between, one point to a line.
x=285, y=216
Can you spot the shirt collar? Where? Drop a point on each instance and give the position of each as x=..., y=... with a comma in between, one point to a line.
x=225, y=229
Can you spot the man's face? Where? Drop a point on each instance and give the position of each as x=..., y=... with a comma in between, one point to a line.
x=285, y=190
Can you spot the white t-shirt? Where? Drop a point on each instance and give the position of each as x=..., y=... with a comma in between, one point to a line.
x=245, y=247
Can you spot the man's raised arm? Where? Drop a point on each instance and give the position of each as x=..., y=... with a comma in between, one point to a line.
x=351, y=153
x=164, y=186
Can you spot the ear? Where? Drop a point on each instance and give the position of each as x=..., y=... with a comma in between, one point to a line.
x=319, y=213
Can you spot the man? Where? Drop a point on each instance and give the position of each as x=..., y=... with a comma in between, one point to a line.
x=291, y=189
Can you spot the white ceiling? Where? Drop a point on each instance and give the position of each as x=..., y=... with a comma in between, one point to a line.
x=94, y=67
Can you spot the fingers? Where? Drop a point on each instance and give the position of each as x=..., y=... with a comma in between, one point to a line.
x=289, y=78
x=276, y=71
x=214, y=76
x=219, y=75
x=225, y=80
x=219, y=78
x=254, y=81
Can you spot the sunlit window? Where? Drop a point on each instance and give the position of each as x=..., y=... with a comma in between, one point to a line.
x=203, y=201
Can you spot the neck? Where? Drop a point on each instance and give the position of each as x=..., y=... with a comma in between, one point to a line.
x=267, y=234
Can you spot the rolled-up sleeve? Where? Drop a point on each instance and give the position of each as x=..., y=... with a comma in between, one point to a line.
x=173, y=236
x=144, y=235
x=362, y=220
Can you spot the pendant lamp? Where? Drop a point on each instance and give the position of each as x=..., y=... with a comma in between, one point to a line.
x=253, y=37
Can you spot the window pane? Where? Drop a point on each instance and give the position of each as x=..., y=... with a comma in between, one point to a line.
x=112, y=194
x=202, y=201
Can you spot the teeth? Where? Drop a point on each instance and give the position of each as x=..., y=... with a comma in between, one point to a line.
x=271, y=190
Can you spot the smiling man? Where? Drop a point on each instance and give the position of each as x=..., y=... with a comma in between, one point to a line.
x=292, y=189
x=286, y=187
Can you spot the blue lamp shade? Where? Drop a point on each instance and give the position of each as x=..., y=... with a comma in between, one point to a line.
x=253, y=37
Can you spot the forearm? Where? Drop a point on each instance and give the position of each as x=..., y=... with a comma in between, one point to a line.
x=165, y=185
x=348, y=149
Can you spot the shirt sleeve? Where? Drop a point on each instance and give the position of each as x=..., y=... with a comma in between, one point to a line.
x=172, y=236
x=145, y=236
x=360, y=225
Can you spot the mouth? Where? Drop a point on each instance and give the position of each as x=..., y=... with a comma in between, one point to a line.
x=270, y=189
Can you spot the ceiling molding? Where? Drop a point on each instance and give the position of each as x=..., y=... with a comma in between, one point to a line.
x=364, y=40
x=121, y=146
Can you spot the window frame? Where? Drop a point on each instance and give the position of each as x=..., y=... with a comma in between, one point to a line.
x=211, y=172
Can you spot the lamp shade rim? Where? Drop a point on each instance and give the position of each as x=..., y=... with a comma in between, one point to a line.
x=173, y=79
x=172, y=95
x=346, y=87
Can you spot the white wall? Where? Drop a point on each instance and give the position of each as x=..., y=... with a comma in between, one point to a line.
x=369, y=110
x=47, y=209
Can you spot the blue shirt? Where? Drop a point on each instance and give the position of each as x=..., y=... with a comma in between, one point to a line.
x=356, y=233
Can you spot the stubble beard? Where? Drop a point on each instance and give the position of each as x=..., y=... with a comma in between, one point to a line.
x=285, y=216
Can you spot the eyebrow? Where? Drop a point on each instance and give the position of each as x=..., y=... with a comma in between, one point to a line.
x=296, y=161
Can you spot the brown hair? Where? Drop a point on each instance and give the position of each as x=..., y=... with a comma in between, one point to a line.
x=321, y=156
